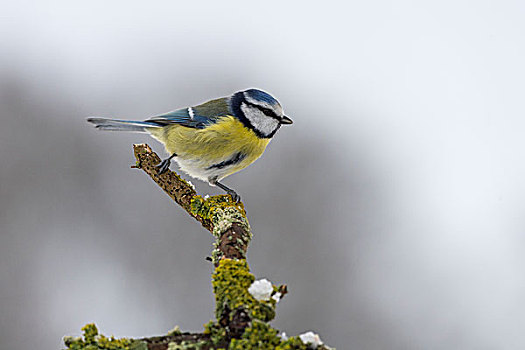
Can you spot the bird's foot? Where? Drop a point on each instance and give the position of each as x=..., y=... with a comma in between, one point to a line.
x=164, y=166
x=236, y=198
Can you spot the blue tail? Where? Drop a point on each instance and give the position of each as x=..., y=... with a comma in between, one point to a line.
x=122, y=125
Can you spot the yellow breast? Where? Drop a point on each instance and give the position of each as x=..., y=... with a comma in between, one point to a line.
x=199, y=149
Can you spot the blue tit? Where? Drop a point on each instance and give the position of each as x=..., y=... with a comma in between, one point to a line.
x=214, y=139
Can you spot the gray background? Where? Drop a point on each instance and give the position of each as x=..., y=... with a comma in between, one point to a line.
x=393, y=207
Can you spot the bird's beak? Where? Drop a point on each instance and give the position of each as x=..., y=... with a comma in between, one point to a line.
x=286, y=120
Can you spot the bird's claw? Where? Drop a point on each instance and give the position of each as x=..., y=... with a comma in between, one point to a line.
x=164, y=166
x=235, y=197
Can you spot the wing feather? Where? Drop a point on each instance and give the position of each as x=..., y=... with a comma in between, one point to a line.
x=197, y=117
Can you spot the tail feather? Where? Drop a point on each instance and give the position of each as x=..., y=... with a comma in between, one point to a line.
x=122, y=125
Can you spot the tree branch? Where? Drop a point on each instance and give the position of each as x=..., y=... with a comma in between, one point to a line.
x=225, y=219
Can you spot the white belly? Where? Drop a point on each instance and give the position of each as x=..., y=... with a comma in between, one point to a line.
x=200, y=169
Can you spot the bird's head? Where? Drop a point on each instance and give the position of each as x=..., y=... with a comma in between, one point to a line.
x=259, y=111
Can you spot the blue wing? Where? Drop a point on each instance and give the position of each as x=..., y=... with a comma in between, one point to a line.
x=197, y=117
x=182, y=117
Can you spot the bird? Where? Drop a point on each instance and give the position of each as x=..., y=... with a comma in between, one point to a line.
x=214, y=139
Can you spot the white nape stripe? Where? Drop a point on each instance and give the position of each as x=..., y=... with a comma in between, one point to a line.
x=190, y=112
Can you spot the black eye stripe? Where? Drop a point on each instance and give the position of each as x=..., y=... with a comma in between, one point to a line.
x=268, y=112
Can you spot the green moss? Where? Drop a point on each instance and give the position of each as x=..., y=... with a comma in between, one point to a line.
x=217, y=333
x=92, y=340
x=231, y=281
x=263, y=337
x=175, y=331
x=205, y=208
x=186, y=345
x=222, y=213
x=90, y=332
x=258, y=336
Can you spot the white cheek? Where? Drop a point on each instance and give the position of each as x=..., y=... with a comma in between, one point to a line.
x=259, y=120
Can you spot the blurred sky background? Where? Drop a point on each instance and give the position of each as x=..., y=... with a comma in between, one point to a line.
x=393, y=207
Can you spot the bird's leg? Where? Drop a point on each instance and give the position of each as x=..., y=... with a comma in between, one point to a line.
x=165, y=164
x=235, y=196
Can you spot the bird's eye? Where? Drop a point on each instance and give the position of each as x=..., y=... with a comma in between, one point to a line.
x=267, y=111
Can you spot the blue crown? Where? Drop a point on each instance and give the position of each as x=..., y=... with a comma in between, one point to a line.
x=261, y=96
